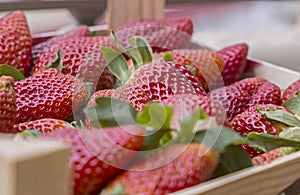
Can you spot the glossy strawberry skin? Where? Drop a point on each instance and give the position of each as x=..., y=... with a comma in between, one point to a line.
x=163, y=173
x=252, y=120
x=290, y=91
x=80, y=31
x=270, y=156
x=98, y=155
x=7, y=105
x=208, y=64
x=237, y=97
x=235, y=58
x=45, y=125
x=191, y=102
x=157, y=81
x=162, y=35
x=82, y=57
x=50, y=94
x=15, y=41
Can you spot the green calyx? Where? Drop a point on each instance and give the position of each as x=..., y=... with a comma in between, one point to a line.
x=7, y=70
x=281, y=116
x=140, y=53
x=293, y=104
x=57, y=63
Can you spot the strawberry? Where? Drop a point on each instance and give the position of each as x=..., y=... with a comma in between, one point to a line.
x=162, y=35
x=7, y=105
x=248, y=92
x=80, y=31
x=191, y=102
x=50, y=94
x=235, y=58
x=82, y=57
x=168, y=170
x=208, y=65
x=290, y=91
x=270, y=156
x=158, y=81
x=15, y=41
x=45, y=125
x=252, y=120
x=98, y=155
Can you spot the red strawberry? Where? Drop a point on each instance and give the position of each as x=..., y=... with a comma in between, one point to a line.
x=15, y=41
x=208, y=65
x=98, y=155
x=50, y=94
x=252, y=120
x=168, y=170
x=162, y=35
x=157, y=81
x=237, y=97
x=80, y=31
x=82, y=57
x=7, y=105
x=268, y=157
x=45, y=125
x=191, y=102
x=235, y=58
x=291, y=90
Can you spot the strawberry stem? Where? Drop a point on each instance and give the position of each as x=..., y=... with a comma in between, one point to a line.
x=8, y=70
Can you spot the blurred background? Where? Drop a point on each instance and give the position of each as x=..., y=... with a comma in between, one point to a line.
x=271, y=28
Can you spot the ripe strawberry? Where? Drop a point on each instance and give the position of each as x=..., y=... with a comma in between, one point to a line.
x=252, y=120
x=290, y=91
x=15, y=41
x=162, y=35
x=235, y=58
x=268, y=157
x=208, y=65
x=248, y=92
x=82, y=57
x=50, y=94
x=168, y=170
x=45, y=125
x=80, y=31
x=98, y=155
x=157, y=81
x=191, y=102
x=7, y=105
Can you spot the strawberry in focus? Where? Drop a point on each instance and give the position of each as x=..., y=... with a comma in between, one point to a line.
x=50, y=94
x=7, y=105
x=15, y=41
x=99, y=154
x=252, y=120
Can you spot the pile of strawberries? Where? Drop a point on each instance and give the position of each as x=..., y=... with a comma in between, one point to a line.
x=152, y=115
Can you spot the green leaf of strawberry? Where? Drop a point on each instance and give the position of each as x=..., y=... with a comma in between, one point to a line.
x=7, y=70
x=293, y=104
x=234, y=158
x=168, y=57
x=269, y=142
x=117, y=42
x=117, y=64
x=110, y=112
x=57, y=62
x=156, y=116
x=281, y=116
x=219, y=138
x=140, y=51
x=291, y=133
